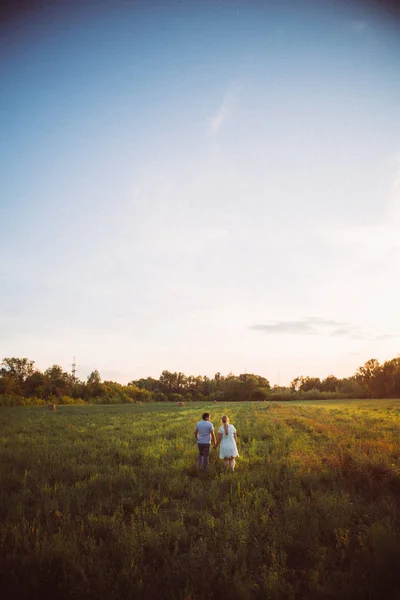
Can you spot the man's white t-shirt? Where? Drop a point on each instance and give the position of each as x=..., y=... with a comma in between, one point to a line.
x=204, y=429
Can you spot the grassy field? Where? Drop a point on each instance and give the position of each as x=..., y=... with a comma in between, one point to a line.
x=106, y=502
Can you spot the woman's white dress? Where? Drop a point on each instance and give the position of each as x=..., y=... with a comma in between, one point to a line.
x=228, y=448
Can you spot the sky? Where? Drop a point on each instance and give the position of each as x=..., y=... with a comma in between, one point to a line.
x=200, y=187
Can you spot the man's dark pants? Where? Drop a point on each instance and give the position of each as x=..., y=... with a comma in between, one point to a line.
x=204, y=451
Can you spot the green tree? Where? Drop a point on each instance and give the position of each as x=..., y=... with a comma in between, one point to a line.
x=94, y=387
x=13, y=373
x=60, y=383
x=391, y=373
x=146, y=383
x=240, y=388
x=348, y=386
x=20, y=368
x=295, y=384
x=329, y=384
x=259, y=395
x=310, y=383
x=37, y=385
x=366, y=375
x=172, y=382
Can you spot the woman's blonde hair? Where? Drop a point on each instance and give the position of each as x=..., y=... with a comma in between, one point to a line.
x=225, y=421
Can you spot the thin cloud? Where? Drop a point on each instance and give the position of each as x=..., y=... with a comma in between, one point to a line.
x=317, y=326
x=291, y=327
x=222, y=114
x=310, y=326
x=351, y=332
x=217, y=120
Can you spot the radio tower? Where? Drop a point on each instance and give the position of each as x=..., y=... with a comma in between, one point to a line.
x=73, y=372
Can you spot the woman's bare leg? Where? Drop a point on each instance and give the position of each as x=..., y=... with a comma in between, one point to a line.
x=232, y=462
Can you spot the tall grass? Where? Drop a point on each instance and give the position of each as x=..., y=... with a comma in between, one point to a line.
x=106, y=502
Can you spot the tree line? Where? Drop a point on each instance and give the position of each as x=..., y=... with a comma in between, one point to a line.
x=22, y=383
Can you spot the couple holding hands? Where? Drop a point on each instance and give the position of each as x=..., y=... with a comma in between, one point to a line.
x=227, y=438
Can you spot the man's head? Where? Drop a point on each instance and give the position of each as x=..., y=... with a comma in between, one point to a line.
x=206, y=416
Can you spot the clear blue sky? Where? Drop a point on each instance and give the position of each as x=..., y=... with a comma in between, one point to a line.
x=200, y=186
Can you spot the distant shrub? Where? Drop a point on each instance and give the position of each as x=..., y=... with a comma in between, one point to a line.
x=9, y=400
x=159, y=397
x=125, y=399
x=281, y=397
x=107, y=400
x=199, y=397
x=144, y=396
x=329, y=395
x=215, y=396
x=130, y=392
x=31, y=401
x=259, y=395
x=70, y=400
x=175, y=398
x=313, y=394
x=14, y=400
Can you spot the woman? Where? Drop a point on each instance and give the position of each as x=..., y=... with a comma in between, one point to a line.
x=227, y=438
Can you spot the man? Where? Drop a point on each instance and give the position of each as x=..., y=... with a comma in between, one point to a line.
x=204, y=435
